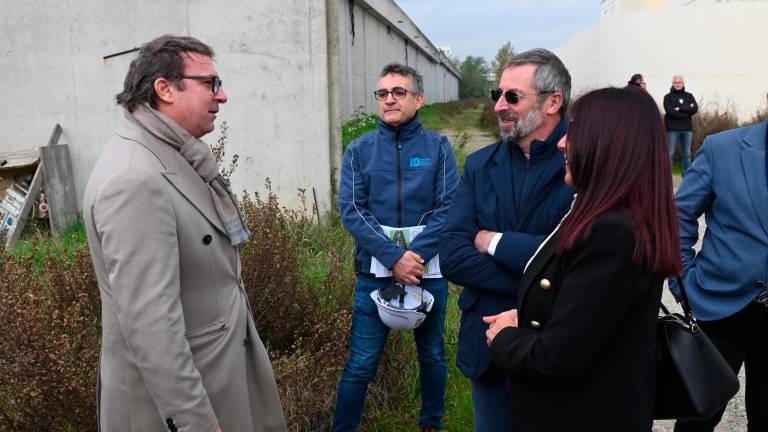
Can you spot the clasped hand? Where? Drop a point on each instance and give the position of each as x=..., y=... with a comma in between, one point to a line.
x=498, y=323
x=409, y=269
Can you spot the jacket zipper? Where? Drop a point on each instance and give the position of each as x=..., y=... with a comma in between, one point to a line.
x=525, y=184
x=399, y=201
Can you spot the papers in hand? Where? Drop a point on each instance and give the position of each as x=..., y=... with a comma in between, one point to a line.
x=431, y=268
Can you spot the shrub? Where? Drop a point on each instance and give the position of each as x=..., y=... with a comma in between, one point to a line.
x=49, y=346
x=713, y=118
x=489, y=120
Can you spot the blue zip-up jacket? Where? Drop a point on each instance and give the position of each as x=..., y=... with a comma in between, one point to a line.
x=399, y=178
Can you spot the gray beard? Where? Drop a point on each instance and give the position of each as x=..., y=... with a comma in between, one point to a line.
x=524, y=126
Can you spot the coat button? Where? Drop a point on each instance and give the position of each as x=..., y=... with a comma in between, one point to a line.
x=545, y=284
x=207, y=239
x=760, y=284
x=535, y=324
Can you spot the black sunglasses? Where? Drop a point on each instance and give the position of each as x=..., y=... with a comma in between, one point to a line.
x=511, y=96
x=398, y=93
x=215, y=81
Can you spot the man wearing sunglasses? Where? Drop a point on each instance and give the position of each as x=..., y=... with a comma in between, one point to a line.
x=180, y=349
x=510, y=197
x=400, y=175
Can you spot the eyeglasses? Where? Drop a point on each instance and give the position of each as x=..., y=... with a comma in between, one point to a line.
x=512, y=96
x=398, y=93
x=215, y=81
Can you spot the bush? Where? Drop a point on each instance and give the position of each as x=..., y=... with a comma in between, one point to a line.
x=489, y=120
x=299, y=277
x=712, y=119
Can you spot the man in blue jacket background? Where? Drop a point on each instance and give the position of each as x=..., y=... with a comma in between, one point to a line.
x=400, y=175
x=510, y=197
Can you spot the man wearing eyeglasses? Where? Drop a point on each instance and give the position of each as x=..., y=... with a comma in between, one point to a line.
x=180, y=349
x=510, y=197
x=399, y=176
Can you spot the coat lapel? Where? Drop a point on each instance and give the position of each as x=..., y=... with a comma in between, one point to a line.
x=177, y=171
x=753, y=163
x=500, y=175
x=540, y=260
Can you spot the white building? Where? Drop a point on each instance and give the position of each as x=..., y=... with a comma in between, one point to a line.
x=293, y=69
x=716, y=45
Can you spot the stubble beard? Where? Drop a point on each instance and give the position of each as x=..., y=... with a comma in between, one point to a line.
x=524, y=126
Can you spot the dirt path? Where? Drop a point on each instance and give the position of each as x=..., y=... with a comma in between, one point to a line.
x=476, y=137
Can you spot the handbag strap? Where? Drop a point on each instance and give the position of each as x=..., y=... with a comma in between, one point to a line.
x=683, y=303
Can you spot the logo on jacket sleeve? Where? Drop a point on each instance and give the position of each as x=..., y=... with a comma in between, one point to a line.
x=417, y=162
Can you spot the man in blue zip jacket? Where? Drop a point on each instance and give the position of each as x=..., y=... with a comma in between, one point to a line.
x=511, y=196
x=400, y=175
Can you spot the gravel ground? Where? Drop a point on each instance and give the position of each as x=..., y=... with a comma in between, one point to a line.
x=734, y=419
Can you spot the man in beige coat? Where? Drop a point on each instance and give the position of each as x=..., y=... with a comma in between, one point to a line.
x=180, y=350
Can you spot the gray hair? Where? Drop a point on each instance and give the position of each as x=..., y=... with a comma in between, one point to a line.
x=417, y=82
x=551, y=74
x=159, y=58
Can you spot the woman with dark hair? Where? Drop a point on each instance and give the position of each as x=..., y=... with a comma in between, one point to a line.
x=579, y=348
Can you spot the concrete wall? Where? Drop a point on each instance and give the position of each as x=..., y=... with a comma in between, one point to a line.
x=385, y=34
x=717, y=47
x=271, y=56
x=289, y=83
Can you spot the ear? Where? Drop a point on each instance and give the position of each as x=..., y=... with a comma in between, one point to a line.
x=553, y=103
x=165, y=90
x=419, y=101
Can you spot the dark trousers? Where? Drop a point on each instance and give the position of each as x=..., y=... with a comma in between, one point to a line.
x=742, y=339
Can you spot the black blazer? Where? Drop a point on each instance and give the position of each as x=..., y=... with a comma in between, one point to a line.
x=582, y=358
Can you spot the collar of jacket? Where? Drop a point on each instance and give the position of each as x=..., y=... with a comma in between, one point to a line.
x=406, y=131
x=681, y=91
x=542, y=149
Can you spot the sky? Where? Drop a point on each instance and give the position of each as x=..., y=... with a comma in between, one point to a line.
x=481, y=27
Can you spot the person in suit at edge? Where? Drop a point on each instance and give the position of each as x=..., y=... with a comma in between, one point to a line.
x=726, y=281
x=509, y=198
x=180, y=351
x=580, y=347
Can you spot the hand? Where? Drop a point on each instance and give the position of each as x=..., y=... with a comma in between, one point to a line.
x=409, y=268
x=483, y=240
x=498, y=323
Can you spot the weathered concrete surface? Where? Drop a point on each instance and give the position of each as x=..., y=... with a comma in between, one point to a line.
x=285, y=65
x=697, y=41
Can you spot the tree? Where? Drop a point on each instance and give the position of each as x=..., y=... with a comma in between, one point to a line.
x=474, y=72
x=502, y=57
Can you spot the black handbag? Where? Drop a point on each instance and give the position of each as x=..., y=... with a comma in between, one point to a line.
x=692, y=377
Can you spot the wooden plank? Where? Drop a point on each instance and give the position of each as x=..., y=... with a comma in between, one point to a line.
x=34, y=190
x=59, y=186
x=55, y=135
x=19, y=158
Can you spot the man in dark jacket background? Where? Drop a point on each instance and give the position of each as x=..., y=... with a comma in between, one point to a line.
x=400, y=175
x=511, y=196
x=679, y=106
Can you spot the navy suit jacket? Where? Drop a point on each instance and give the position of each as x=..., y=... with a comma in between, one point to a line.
x=726, y=183
x=503, y=191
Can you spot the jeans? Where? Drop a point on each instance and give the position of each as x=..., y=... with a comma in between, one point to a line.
x=685, y=138
x=492, y=404
x=369, y=336
x=741, y=338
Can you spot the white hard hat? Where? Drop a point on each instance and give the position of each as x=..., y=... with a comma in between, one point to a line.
x=408, y=313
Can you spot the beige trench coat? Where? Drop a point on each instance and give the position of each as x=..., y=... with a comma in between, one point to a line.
x=179, y=345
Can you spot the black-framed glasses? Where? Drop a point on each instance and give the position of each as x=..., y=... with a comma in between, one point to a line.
x=398, y=93
x=214, y=79
x=512, y=96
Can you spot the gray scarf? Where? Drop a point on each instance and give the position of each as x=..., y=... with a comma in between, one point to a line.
x=199, y=155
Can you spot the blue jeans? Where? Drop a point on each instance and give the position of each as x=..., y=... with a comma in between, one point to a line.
x=685, y=138
x=492, y=403
x=369, y=335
